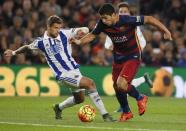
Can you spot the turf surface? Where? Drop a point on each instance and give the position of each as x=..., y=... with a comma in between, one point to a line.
x=35, y=113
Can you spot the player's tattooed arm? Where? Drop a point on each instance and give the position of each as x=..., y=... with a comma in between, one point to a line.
x=86, y=39
x=20, y=50
x=153, y=21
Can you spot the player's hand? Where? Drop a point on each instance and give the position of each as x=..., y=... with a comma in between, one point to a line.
x=80, y=33
x=74, y=41
x=167, y=36
x=8, y=53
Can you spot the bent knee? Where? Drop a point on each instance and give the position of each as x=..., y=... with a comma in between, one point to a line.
x=91, y=84
x=87, y=83
x=122, y=83
x=79, y=100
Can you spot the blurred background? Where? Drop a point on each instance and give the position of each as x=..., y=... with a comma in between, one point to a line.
x=21, y=21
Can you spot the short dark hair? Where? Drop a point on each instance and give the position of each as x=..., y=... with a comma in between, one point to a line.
x=107, y=9
x=123, y=4
x=126, y=5
x=54, y=19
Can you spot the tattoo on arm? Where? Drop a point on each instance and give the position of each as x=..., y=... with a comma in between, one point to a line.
x=22, y=49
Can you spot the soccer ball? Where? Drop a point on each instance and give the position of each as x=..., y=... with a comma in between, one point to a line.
x=86, y=113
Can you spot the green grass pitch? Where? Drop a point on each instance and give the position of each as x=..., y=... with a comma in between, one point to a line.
x=36, y=114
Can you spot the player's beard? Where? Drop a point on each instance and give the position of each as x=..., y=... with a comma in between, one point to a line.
x=53, y=35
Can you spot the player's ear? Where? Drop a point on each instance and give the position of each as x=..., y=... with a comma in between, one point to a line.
x=48, y=26
x=113, y=15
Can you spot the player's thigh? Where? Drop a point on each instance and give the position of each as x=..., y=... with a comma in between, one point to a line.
x=129, y=71
x=71, y=79
x=116, y=69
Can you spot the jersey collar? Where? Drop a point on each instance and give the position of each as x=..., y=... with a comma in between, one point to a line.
x=47, y=37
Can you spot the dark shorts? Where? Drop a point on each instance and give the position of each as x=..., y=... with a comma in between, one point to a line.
x=127, y=70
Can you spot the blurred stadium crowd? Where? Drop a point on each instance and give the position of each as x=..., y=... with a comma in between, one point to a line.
x=23, y=20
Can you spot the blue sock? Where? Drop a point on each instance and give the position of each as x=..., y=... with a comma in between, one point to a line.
x=134, y=93
x=122, y=99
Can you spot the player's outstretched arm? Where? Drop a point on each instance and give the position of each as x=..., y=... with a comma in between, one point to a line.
x=86, y=39
x=20, y=50
x=153, y=21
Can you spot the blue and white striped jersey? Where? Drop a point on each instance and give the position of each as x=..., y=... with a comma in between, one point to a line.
x=57, y=51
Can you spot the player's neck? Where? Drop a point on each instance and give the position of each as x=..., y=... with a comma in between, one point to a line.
x=50, y=35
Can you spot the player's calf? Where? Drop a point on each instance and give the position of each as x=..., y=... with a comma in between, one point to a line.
x=94, y=96
x=79, y=97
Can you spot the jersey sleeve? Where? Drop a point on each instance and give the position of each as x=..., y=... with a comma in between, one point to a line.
x=69, y=33
x=132, y=20
x=141, y=38
x=108, y=43
x=98, y=28
x=34, y=44
x=73, y=31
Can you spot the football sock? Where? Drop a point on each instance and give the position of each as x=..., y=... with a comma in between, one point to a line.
x=67, y=103
x=122, y=99
x=138, y=81
x=94, y=96
x=134, y=93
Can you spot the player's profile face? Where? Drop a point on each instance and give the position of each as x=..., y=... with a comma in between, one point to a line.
x=107, y=19
x=124, y=11
x=54, y=29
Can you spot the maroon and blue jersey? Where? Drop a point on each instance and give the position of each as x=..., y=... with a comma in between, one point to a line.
x=123, y=36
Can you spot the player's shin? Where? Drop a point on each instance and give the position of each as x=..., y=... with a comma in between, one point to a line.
x=94, y=96
x=134, y=93
x=122, y=99
x=70, y=101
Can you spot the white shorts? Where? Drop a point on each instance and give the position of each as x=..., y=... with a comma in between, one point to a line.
x=71, y=79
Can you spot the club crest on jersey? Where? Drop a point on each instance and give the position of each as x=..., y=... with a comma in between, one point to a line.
x=47, y=45
x=76, y=76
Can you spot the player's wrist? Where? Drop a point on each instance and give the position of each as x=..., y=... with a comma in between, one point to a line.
x=78, y=42
x=13, y=53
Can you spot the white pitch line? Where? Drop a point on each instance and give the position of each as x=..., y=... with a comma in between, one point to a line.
x=83, y=127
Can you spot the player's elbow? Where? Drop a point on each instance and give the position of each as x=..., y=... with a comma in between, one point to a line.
x=27, y=47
